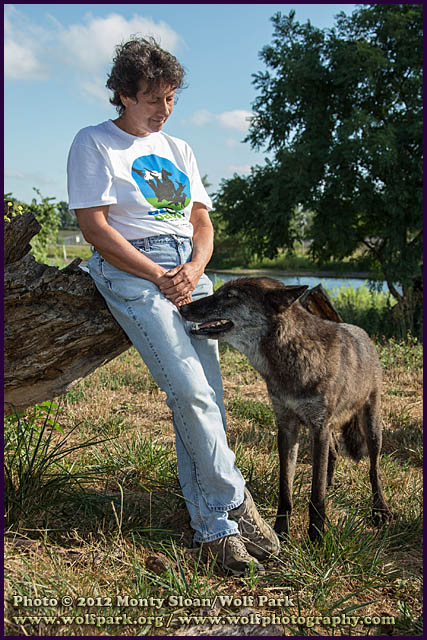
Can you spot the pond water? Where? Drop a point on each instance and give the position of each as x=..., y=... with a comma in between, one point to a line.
x=311, y=281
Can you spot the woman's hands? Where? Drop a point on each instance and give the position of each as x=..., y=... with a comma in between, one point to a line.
x=178, y=283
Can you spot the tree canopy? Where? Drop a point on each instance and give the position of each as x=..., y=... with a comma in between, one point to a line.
x=341, y=110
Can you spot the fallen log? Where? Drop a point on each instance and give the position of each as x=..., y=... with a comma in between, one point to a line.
x=58, y=328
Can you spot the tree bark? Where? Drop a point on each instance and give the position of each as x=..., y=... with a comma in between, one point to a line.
x=58, y=328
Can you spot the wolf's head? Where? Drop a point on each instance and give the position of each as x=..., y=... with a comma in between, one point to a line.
x=241, y=305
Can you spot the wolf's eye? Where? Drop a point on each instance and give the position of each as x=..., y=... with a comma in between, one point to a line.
x=230, y=294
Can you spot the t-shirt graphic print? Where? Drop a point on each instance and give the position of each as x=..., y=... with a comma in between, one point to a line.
x=162, y=184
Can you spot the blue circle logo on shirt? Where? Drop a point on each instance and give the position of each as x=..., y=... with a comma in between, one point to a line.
x=161, y=182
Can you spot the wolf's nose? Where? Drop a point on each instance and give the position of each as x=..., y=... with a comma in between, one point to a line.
x=183, y=308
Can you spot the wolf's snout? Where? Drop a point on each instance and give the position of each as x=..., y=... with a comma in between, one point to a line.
x=191, y=310
x=206, y=319
x=184, y=309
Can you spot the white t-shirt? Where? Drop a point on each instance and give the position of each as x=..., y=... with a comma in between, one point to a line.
x=149, y=183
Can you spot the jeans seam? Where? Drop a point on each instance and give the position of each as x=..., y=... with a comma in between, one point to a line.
x=196, y=488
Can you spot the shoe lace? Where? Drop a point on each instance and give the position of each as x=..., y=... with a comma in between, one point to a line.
x=235, y=544
x=252, y=532
x=249, y=527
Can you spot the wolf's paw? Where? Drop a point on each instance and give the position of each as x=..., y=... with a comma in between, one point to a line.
x=381, y=515
x=281, y=527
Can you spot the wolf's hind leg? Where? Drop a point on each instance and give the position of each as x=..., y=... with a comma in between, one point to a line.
x=380, y=511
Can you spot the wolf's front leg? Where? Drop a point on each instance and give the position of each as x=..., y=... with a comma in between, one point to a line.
x=288, y=427
x=320, y=457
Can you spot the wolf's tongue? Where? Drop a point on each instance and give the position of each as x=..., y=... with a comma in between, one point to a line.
x=212, y=323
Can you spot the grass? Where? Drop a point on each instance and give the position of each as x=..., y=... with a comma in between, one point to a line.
x=301, y=261
x=94, y=510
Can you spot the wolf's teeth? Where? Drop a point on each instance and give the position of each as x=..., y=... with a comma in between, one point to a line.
x=199, y=326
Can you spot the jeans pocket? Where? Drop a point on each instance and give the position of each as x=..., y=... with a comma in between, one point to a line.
x=123, y=284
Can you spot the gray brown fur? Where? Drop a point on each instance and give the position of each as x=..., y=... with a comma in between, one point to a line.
x=323, y=374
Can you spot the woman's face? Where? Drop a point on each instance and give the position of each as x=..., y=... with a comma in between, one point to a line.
x=148, y=112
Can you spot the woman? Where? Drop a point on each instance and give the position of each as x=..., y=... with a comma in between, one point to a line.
x=140, y=202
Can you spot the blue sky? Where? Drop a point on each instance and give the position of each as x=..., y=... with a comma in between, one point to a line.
x=56, y=61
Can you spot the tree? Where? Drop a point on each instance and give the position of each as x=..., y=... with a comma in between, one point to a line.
x=205, y=181
x=341, y=110
x=68, y=220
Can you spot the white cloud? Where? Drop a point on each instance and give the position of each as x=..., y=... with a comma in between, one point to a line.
x=95, y=90
x=237, y=119
x=202, y=117
x=22, y=47
x=20, y=61
x=91, y=45
x=86, y=47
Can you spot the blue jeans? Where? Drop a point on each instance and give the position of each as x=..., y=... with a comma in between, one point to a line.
x=188, y=370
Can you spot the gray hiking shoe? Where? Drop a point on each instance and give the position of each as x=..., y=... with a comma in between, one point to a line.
x=232, y=555
x=259, y=538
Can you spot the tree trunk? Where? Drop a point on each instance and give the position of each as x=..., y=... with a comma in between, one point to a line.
x=58, y=328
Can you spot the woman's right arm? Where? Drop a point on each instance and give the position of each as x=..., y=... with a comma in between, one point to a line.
x=113, y=246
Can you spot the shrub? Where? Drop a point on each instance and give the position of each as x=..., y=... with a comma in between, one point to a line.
x=47, y=216
x=369, y=309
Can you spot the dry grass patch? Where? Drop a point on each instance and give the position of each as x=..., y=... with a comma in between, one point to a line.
x=116, y=524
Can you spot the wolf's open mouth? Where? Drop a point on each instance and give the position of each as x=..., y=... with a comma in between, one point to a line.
x=213, y=326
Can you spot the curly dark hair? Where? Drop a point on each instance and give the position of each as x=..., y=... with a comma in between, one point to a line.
x=142, y=59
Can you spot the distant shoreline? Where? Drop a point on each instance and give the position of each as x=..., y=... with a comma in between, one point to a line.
x=362, y=275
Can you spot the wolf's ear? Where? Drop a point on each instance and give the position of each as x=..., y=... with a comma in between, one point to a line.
x=282, y=298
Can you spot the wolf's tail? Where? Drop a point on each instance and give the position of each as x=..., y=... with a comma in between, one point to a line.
x=353, y=437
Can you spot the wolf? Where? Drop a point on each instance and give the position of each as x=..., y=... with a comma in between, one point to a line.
x=320, y=373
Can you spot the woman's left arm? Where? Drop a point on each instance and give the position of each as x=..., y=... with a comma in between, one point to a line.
x=178, y=283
